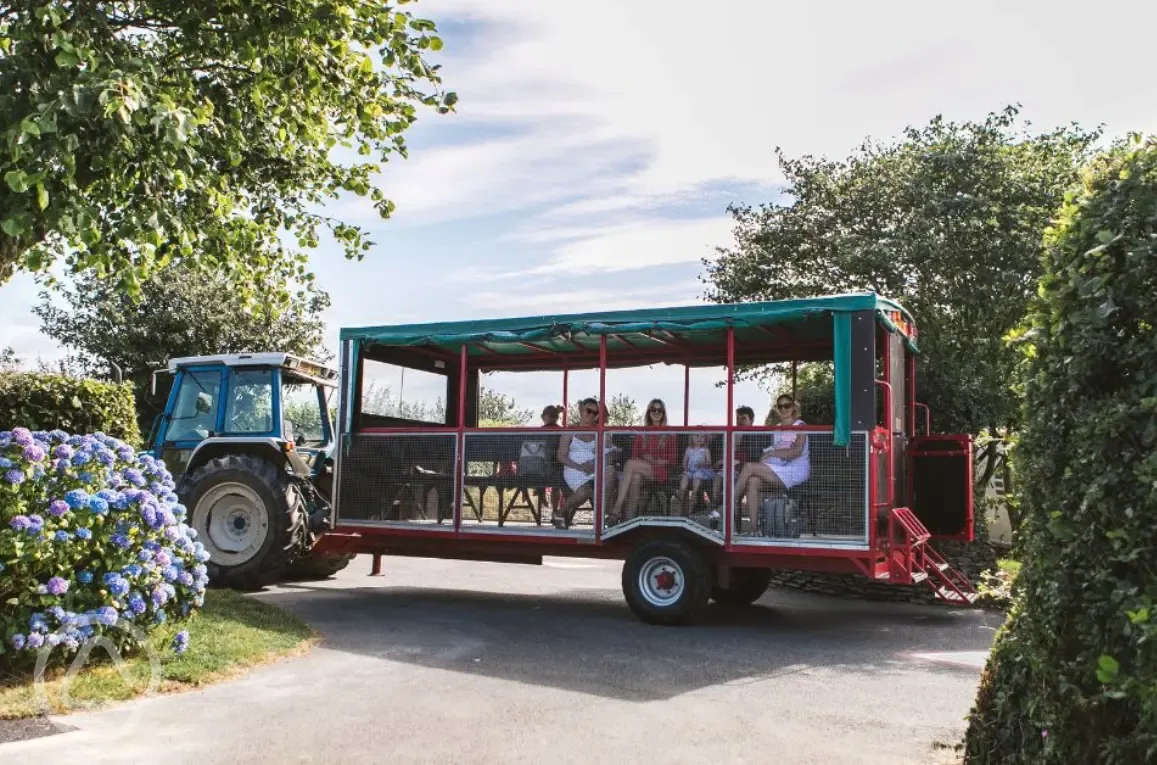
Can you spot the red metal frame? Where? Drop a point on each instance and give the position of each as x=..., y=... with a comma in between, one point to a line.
x=597, y=494
x=728, y=440
x=927, y=418
x=686, y=394
x=565, y=400
x=464, y=363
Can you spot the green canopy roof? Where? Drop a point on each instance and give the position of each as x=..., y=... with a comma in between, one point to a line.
x=627, y=331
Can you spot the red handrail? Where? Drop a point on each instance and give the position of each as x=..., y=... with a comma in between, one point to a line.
x=927, y=418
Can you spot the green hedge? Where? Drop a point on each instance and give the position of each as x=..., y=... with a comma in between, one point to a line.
x=1072, y=679
x=75, y=405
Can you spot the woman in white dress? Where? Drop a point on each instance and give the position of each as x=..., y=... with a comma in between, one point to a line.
x=576, y=454
x=782, y=465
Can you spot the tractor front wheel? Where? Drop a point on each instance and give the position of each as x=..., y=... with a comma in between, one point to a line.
x=250, y=517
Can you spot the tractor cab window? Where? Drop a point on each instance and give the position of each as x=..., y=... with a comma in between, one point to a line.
x=195, y=412
x=249, y=407
x=301, y=406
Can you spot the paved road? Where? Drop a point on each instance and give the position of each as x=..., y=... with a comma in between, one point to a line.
x=454, y=662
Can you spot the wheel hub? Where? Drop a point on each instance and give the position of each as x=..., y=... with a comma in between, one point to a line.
x=662, y=582
x=232, y=521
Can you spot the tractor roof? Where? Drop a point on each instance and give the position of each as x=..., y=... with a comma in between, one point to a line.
x=306, y=368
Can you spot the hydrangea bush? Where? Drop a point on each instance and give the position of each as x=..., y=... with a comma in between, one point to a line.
x=91, y=537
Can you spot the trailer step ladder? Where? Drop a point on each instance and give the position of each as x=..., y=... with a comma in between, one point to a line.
x=911, y=559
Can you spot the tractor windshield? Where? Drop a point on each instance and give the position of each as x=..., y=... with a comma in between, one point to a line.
x=302, y=404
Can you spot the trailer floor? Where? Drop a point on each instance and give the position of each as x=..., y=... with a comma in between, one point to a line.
x=458, y=662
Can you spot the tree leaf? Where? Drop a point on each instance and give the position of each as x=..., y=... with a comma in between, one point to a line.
x=16, y=180
x=1107, y=668
x=41, y=196
x=66, y=59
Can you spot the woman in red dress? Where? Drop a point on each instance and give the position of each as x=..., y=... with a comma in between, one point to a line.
x=651, y=456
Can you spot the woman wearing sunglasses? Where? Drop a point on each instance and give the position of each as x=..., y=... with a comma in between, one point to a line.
x=651, y=455
x=782, y=465
x=576, y=454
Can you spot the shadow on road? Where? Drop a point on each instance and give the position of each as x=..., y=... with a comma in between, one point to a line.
x=588, y=641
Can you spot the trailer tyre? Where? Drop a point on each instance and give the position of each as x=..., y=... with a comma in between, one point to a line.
x=666, y=581
x=319, y=566
x=747, y=585
x=250, y=517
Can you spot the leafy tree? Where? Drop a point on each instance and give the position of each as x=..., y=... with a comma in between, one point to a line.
x=9, y=361
x=181, y=313
x=622, y=412
x=1072, y=677
x=947, y=220
x=140, y=133
x=495, y=409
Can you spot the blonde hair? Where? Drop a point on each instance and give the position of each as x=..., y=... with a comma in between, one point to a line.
x=771, y=419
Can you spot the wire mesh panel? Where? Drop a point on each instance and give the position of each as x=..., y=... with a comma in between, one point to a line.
x=667, y=473
x=796, y=485
x=512, y=479
x=403, y=477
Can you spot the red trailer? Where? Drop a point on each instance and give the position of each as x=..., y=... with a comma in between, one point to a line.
x=873, y=494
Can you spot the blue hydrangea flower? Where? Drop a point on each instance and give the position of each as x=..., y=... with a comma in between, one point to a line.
x=132, y=570
x=62, y=536
x=121, y=541
x=118, y=586
x=37, y=622
x=57, y=436
x=57, y=586
x=185, y=578
x=84, y=577
x=159, y=617
x=57, y=613
x=33, y=453
x=169, y=573
x=126, y=453
x=98, y=505
x=107, y=615
x=163, y=558
x=6, y=463
x=83, y=533
x=22, y=436
x=159, y=597
x=19, y=522
x=35, y=524
x=64, y=452
x=181, y=642
x=137, y=604
x=76, y=499
x=80, y=458
x=52, y=639
x=18, y=641
x=57, y=508
x=105, y=457
x=135, y=477
x=35, y=640
x=14, y=476
x=87, y=477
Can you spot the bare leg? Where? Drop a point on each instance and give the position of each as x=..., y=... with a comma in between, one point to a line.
x=695, y=487
x=581, y=495
x=681, y=495
x=633, y=490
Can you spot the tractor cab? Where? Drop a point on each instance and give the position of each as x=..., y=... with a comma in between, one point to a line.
x=272, y=398
x=248, y=438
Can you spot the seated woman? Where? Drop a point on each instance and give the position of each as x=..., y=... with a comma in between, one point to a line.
x=782, y=465
x=576, y=454
x=651, y=456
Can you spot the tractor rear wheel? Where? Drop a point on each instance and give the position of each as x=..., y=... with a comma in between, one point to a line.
x=318, y=566
x=250, y=517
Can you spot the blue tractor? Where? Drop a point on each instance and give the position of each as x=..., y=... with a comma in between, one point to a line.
x=249, y=440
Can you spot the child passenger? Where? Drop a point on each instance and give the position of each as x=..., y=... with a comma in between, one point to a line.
x=696, y=469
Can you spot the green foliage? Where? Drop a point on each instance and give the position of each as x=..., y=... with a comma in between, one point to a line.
x=181, y=313
x=54, y=402
x=497, y=410
x=622, y=412
x=1072, y=678
x=137, y=134
x=947, y=220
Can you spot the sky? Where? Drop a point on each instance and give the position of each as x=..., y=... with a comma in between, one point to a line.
x=596, y=146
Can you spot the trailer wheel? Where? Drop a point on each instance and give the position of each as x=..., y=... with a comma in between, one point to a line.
x=666, y=581
x=747, y=585
x=315, y=566
x=249, y=516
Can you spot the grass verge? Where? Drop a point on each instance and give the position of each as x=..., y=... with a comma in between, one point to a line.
x=229, y=635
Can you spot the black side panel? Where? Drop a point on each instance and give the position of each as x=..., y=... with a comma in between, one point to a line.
x=941, y=480
x=863, y=370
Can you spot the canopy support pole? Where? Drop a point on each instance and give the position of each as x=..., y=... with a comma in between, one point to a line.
x=729, y=442
x=458, y=479
x=565, y=400
x=686, y=394
x=794, y=372
x=601, y=456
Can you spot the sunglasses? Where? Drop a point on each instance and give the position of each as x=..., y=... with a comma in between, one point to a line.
x=656, y=410
x=591, y=412
x=784, y=407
